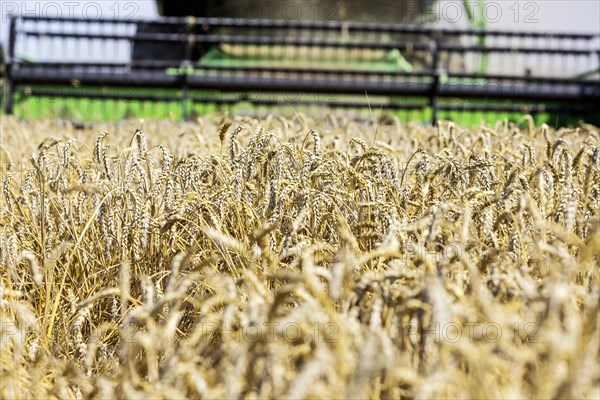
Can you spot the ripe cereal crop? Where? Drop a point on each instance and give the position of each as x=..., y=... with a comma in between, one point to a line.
x=328, y=257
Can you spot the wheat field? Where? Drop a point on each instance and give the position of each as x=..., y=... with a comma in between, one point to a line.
x=296, y=258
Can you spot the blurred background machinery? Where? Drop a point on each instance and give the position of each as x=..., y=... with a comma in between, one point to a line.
x=322, y=56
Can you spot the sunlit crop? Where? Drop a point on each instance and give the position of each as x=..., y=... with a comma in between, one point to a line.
x=299, y=258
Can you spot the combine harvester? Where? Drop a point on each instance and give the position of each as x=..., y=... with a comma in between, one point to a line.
x=181, y=66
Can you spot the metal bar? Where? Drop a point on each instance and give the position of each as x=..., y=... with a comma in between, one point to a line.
x=97, y=79
x=142, y=64
x=309, y=71
x=311, y=42
x=510, y=49
x=187, y=63
x=12, y=37
x=524, y=78
x=233, y=69
x=543, y=92
x=325, y=25
x=538, y=92
x=522, y=108
x=228, y=83
x=148, y=37
x=332, y=104
x=435, y=88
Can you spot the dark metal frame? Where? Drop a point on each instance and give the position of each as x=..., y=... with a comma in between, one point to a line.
x=573, y=95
